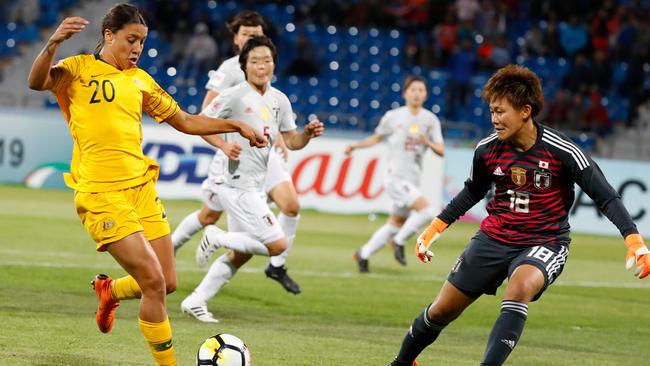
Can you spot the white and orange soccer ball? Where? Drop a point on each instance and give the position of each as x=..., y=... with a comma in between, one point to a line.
x=223, y=350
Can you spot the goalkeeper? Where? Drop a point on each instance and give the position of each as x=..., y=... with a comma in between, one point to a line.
x=525, y=237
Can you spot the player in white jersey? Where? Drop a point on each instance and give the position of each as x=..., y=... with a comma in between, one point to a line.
x=278, y=185
x=410, y=131
x=253, y=226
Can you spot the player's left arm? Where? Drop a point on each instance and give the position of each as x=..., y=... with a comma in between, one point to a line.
x=296, y=141
x=590, y=178
x=432, y=138
x=437, y=147
x=287, y=127
x=281, y=147
x=203, y=125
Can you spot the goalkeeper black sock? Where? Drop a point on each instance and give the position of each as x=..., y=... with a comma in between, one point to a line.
x=505, y=332
x=422, y=333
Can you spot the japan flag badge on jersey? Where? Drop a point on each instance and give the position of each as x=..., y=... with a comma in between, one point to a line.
x=543, y=164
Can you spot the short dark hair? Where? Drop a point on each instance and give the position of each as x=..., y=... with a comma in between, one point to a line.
x=518, y=85
x=246, y=18
x=117, y=18
x=411, y=79
x=258, y=41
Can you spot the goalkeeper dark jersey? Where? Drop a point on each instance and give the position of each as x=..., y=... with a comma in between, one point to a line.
x=534, y=189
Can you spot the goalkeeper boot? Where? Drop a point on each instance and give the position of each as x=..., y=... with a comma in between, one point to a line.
x=105, y=315
x=397, y=363
x=398, y=253
x=197, y=309
x=280, y=274
x=209, y=244
x=362, y=263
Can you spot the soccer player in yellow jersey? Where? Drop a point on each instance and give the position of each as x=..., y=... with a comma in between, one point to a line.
x=102, y=97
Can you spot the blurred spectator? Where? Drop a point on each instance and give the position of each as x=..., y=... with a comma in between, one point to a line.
x=595, y=117
x=447, y=36
x=25, y=11
x=461, y=68
x=466, y=10
x=601, y=71
x=410, y=13
x=180, y=37
x=557, y=112
x=579, y=78
x=305, y=63
x=484, y=55
x=632, y=85
x=534, y=41
x=599, y=31
x=201, y=52
x=465, y=32
x=573, y=36
x=412, y=51
x=491, y=21
x=626, y=37
x=551, y=40
x=500, y=55
x=171, y=18
x=575, y=113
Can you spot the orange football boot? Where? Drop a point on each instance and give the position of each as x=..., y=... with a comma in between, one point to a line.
x=105, y=315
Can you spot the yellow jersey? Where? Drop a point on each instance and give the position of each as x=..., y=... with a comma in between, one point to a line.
x=103, y=107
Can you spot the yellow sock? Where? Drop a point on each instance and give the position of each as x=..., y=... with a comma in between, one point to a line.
x=159, y=337
x=125, y=288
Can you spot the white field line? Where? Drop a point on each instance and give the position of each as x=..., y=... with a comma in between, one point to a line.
x=186, y=266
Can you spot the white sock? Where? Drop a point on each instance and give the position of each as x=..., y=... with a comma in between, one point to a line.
x=241, y=242
x=220, y=272
x=289, y=226
x=189, y=226
x=416, y=220
x=378, y=240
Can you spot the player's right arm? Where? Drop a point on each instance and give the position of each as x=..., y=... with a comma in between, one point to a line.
x=367, y=142
x=209, y=96
x=232, y=149
x=42, y=76
x=476, y=187
x=384, y=128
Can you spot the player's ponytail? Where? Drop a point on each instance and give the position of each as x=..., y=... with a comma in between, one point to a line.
x=117, y=18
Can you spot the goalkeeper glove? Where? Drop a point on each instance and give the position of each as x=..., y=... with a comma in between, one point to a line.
x=428, y=237
x=638, y=255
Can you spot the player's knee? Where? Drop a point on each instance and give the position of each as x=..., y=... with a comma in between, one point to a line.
x=209, y=218
x=291, y=208
x=522, y=291
x=276, y=248
x=153, y=283
x=170, y=285
x=442, y=314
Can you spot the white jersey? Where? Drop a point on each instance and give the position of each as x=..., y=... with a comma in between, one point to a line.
x=268, y=114
x=402, y=130
x=227, y=75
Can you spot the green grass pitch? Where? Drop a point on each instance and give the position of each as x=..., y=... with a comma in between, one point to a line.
x=595, y=314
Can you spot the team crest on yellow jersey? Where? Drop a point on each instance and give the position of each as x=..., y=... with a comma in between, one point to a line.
x=265, y=113
x=518, y=176
x=414, y=129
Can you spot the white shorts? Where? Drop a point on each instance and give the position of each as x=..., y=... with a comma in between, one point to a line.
x=403, y=194
x=276, y=172
x=247, y=212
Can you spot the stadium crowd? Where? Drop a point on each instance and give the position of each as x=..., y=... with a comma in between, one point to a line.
x=593, y=56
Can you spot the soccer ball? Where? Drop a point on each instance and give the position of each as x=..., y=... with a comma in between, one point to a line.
x=223, y=350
